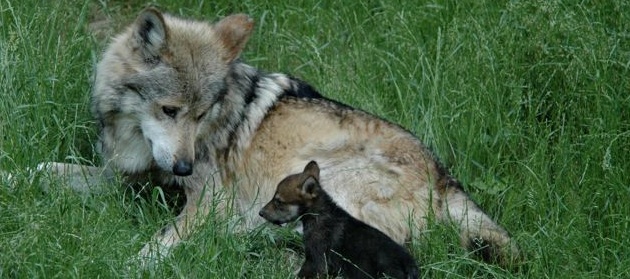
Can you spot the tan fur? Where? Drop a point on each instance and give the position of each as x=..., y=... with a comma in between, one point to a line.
x=375, y=162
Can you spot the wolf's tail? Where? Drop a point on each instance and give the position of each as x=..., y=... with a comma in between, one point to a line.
x=478, y=232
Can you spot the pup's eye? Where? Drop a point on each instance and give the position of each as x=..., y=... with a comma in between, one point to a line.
x=277, y=202
x=170, y=111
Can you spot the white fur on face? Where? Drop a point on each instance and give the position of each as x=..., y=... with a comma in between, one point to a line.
x=281, y=214
x=163, y=145
x=292, y=212
x=135, y=155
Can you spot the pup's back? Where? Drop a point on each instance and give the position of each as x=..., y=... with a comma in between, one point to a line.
x=335, y=241
x=373, y=252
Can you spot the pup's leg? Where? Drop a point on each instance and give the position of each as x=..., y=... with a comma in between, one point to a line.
x=312, y=268
x=478, y=232
x=315, y=257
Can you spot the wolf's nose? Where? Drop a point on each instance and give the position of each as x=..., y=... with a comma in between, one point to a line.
x=182, y=168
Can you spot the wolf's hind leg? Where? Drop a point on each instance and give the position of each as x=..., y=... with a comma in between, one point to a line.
x=478, y=232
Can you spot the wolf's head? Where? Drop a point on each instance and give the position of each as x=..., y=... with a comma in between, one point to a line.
x=157, y=87
x=294, y=196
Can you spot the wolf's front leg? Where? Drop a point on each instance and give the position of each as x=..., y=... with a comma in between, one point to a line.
x=193, y=215
x=81, y=178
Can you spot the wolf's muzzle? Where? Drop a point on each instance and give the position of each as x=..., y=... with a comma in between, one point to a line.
x=182, y=168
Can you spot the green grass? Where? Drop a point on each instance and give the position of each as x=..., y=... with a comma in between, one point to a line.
x=526, y=102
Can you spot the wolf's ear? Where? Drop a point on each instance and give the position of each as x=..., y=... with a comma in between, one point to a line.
x=312, y=169
x=310, y=187
x=150, y=34
x=233, y=32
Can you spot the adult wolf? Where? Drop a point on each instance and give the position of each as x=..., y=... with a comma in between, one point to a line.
x=175, y=106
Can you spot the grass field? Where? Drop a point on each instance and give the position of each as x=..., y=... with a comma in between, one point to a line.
x=526, y=102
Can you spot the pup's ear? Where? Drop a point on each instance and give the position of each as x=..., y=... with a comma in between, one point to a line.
x=310, y=187
x=312, y=169
x=150, y=34
x=233, y=32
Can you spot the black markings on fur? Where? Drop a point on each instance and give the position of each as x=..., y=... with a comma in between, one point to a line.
x=232, y=138
x=246, y=82
x=250, y=94
x=101, y=121
x=115, y=109
x=455, y=184
x=341, y=115
x=301, y=89
x=144, y=30
x=163, y=230
x=441, y=170
x=202, y=153
x=150, y=51
x=152, y=60
x=220, y=96
x=482, y=249
x=133, y=87
x=445, y=182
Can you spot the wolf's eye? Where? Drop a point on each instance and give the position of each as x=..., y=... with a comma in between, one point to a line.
x=133, y=87
x=170, y=111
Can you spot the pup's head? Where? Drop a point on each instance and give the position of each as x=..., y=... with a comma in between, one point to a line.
x=294, y=196
x=159, y=86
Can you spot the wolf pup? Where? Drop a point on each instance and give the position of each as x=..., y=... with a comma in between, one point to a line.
x=176, y=107
x=334, y=241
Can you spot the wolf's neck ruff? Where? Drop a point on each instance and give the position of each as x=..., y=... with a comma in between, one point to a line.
x=247, y=99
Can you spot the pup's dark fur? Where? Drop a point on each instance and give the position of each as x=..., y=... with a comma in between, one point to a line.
x=334, y=241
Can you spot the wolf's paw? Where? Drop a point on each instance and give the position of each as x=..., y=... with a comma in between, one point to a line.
x=501, y=251
x=152, y=254
x=7, y=178
x=45, y=166
x=58, y=168
x=142, y=265
x=14, y=179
